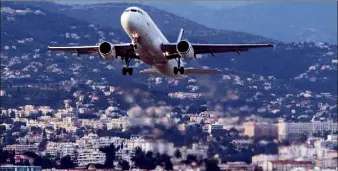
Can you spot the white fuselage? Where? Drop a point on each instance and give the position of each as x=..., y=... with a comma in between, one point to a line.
x=138, y=22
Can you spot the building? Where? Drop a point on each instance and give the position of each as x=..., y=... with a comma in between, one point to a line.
x=237, y=166
x=20, y=149
x=20, y=168
x=213, y=127
x=260, y=130
x=286, y=165
x=118, y=123
x=62, y=149
x=296, y=151
x=154, y=146
x=294, y=130
x=262, y=159
x=327, y=163
x=88, y=156
x=329, y=144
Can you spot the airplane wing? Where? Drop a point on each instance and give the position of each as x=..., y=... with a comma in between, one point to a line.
x=123, y=49
x=77, y=49
x=213, y=48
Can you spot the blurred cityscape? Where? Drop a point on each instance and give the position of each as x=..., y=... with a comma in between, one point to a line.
x=268, y=110
x=72, y=137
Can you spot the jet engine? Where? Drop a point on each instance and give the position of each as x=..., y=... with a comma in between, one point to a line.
x=185, y=50
x=107, y=51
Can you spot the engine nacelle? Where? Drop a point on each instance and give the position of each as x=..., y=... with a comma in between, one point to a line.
x=185, y=50
x=107, y=51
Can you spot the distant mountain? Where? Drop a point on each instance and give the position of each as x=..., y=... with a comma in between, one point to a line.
x=109, y=15
x=284, y=21
x=223, y=4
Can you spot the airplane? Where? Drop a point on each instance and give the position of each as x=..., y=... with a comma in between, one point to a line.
x=149, y=45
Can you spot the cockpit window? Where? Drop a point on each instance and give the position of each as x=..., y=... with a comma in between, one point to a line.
x=133, y=10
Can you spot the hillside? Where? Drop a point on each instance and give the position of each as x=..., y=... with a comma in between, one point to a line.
x=108, y=15
x=268, y=82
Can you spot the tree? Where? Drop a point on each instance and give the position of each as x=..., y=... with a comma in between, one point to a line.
x=47, y=163
x=110, y=152
x=67, y=163
x=168, y=165
x=190, y=158
x=26, y=163
x=124, y=165
x=303, y=138
x=150, y=161
x=178, y=154
x=3, y=156
x=211, y=165
x=42, y=145
x=139, y=158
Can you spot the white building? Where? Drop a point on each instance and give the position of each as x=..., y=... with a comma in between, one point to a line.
x=118, y=123
x=107, y=141
x=327, y=163
x=304, y=151
x=20, y=149
x=296, y=151
x=262, y=159
x=63, y=149
x=286, y=165
x=290, y=130
x=87, y=156
x=154, y=146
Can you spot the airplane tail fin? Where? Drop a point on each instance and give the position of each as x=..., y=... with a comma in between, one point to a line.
x=180, y=35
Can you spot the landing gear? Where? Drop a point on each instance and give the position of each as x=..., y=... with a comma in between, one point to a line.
x=179, y=68
x=134, y=46
x=127, y=69
x=135, y=39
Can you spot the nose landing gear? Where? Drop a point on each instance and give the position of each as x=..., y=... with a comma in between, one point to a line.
x=135, y=38
x=179, y=68
x=127, y=69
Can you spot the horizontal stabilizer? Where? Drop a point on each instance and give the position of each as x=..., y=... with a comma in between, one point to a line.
x=194, y=71
x=148, y=71
x=187, y=71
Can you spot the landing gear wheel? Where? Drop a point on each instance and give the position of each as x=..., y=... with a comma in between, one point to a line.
x=124, y=71
x=182, y=70
x=175, y=70
x=130, y=71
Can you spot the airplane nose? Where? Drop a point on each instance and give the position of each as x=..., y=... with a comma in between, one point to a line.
x=127, y=21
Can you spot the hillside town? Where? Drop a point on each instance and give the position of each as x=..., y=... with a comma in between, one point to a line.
x=255, y=142
x=268, y=110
